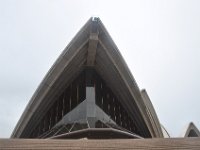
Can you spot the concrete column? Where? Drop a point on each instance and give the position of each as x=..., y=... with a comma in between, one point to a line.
x=91, y=106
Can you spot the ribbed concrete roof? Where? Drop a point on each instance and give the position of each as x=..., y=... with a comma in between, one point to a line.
x=142, y=144
x=94, y=48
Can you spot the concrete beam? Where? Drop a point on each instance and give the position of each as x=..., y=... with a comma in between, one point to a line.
x=93, y=41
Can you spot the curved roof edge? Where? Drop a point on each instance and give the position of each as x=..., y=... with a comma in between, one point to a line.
x=165, y=132
x=151, y=114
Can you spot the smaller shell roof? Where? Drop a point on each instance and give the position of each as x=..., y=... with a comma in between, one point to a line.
x=190, y=131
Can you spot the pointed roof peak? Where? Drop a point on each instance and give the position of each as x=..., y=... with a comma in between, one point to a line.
x=95, y=18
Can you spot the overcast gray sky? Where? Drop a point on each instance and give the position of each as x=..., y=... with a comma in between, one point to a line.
x=159, y=40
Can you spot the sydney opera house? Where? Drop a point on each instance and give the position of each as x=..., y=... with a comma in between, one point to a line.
x=90, y=100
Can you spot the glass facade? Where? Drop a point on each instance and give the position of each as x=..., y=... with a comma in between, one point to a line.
x=109, y=112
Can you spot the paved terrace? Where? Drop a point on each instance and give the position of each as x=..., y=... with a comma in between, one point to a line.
x=140, y=144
